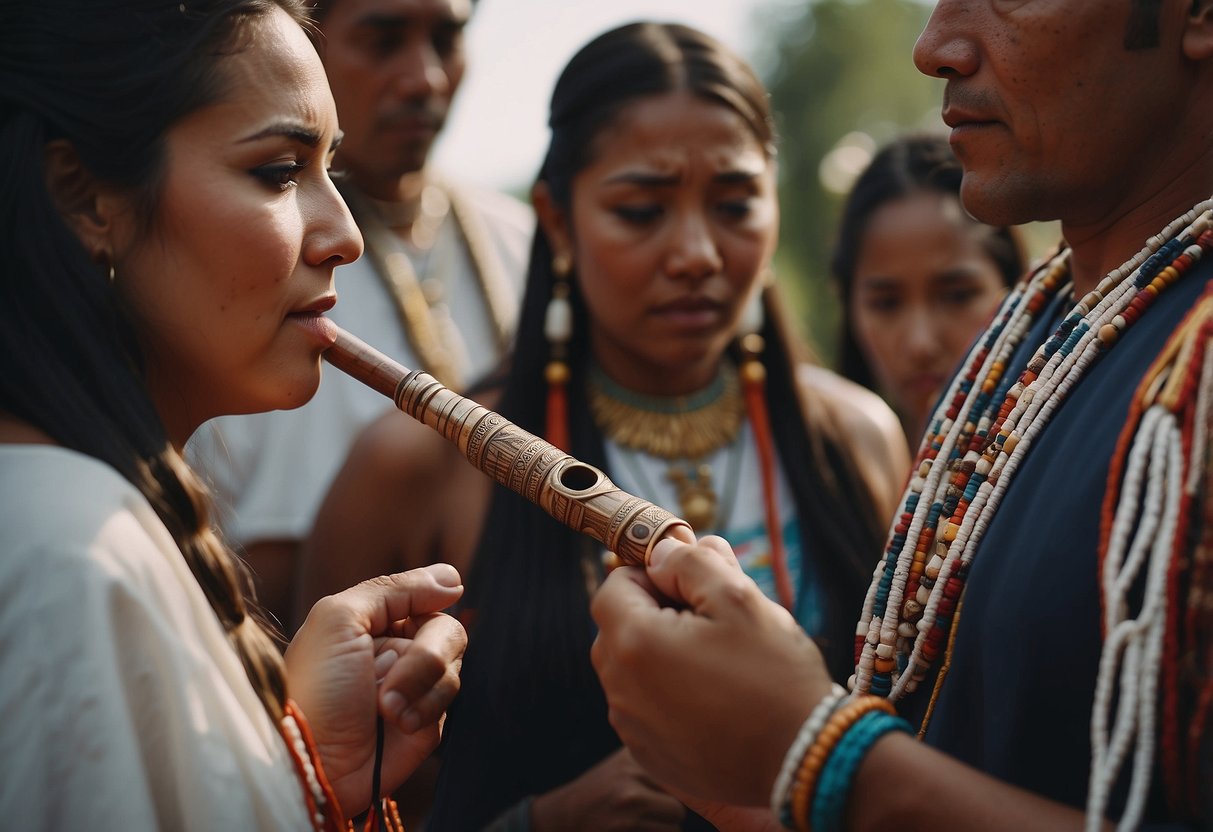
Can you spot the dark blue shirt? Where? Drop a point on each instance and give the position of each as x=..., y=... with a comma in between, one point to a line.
x=1018, y=697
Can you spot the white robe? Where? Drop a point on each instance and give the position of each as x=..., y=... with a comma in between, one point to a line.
x=122, y=704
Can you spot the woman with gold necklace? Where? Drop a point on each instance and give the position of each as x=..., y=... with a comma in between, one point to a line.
x=650, y=346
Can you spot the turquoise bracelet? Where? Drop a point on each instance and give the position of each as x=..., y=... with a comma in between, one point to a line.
x=834, y=786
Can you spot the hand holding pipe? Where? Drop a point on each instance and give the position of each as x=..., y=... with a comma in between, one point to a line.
x=574, y=493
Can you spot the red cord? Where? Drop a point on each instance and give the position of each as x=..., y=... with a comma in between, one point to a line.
x=753, y=376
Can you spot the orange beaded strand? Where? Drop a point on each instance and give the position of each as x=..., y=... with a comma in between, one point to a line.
x=324, y=812
x=815, y=758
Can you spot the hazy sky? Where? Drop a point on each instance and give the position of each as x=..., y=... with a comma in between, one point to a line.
x=497, y=132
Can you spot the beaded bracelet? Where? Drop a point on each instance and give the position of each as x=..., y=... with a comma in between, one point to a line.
x=323, y=810
x=808, y=732
x=834, y=784
x=814, y=760
x=319, y=798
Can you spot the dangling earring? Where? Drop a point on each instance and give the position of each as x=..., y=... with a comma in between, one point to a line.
x=753, y=384
x=749, y=332
x=558, y=329
x=751, y=321
x=104, y=260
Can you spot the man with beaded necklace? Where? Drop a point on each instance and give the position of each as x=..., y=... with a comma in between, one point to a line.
x=437, y=288
x=1042, y=616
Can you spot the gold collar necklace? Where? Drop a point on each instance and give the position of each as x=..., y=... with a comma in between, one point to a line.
x=669, y=427
x=680, y=429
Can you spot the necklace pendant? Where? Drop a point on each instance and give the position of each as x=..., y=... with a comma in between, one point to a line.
x=433, y=290
x=696, y=497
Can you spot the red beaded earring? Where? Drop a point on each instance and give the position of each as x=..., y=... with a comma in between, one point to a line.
x=558, y=329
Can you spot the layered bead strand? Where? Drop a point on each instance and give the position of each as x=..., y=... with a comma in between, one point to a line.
x=904, y=579
x=1191, y=660
x=982, y=431
x=1152, y=512
x=323, y=810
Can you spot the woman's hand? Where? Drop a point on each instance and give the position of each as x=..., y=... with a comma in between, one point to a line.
x=707, y=681
x=380, y=647
x=615, y=794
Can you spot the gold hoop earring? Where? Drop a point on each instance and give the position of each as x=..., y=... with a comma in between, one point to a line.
x=562, y=264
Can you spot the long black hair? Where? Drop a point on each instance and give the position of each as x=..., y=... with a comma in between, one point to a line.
x=531, y=714
x=110, y=78
x=910, y=164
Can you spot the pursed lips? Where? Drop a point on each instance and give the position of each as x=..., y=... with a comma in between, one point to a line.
x=317, y=307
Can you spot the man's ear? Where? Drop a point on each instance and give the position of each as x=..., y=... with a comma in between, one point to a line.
x=552, y=220
x=88, y=208
x=1198, y=31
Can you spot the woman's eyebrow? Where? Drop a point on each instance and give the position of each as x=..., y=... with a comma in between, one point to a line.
x=295, y=132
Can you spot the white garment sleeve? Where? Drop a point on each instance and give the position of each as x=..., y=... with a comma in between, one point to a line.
x=123, y=706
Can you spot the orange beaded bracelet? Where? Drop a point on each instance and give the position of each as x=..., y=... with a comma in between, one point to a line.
x=321, y=802
x=815, y=758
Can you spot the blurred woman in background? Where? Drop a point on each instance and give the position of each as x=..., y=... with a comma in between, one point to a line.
x=919, y=278
x=651, y=346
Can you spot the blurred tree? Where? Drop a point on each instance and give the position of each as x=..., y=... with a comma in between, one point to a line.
x=842, y=82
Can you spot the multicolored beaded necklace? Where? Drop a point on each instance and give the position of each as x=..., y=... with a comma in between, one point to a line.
x=984, y=426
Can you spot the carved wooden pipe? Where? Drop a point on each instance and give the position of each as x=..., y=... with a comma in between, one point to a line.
x=578, y=495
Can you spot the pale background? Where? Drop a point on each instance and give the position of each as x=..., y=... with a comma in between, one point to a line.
x=842, y=82
x=516, y=48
